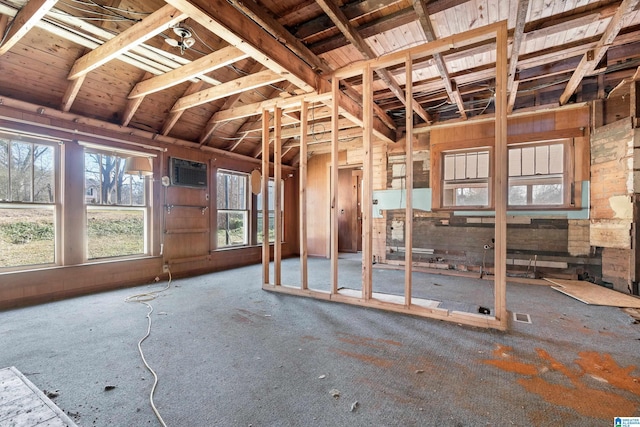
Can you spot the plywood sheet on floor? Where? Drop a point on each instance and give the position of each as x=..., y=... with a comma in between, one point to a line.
x=22, y=404
x=589, y=293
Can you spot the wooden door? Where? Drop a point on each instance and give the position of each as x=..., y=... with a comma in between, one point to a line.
x=349, y=210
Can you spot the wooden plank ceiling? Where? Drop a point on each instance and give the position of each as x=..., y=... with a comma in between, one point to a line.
x=202, y=71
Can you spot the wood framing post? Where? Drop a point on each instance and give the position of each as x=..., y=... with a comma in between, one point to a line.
x=333, y=247
x=408, y=222
x=304, y=125
x=367, y=183
x=277, y=193
x=501, y=177
x=265, y=197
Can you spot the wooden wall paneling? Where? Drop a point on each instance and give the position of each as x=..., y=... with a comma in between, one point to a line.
x=302, y=194
x=277, y=193
x=367, y=184
x=213, y=206
x=73, y=210
x=501, y=178
x=266, y=256
x=333, y=249
x=408, y=225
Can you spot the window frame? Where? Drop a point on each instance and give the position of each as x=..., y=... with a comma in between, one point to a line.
x=272, y=212
x=566, y=176
x=146, y=207
x=472, y=182
x=53, y=205
x=571, y=194
x=246, y=212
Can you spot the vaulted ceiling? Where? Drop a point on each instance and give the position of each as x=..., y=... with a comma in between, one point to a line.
x=201, y=71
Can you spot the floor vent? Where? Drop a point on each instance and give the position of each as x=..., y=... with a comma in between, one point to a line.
x=521, y=317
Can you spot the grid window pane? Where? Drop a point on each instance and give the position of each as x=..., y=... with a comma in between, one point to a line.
x=233, y=213
x=116, y=207
x=27, y=236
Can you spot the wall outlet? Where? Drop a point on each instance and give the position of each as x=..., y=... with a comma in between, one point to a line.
x=165, y=268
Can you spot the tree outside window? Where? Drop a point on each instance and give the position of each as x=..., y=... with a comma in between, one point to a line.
x=116, y=207
x=233, y=209
x=27, y=201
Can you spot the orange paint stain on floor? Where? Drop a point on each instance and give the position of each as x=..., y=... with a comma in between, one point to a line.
x=580, y=396
x=372, y=360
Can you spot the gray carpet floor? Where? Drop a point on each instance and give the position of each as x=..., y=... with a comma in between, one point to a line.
x=230, y=354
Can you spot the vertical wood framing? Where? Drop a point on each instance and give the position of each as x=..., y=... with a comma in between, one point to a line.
x=408, y=222
x=408, y=304
x=265, y=197
x=277, y=192
x=501, y=177
x=367, y=183
x=333, y=247
x=304, y=124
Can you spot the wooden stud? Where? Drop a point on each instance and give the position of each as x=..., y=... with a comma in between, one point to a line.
x=266, y=255
x=408, y=222
x=501, y=177
x=333, y=247
x=304, y=125
x=277, y=193
x=367, y=184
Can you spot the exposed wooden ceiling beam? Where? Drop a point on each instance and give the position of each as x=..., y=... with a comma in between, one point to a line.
x=24, y=21
x=206, y=64
x=341, y=21
x=238, y=30
x=389, y=22
x=174, y=116
x=241, y=84
x=518, y=35
x=277, y=30
x=591, y=59
x=132, y=105
x=150, y=26
x=70, y=94
x=230, y=102
x=425, y=22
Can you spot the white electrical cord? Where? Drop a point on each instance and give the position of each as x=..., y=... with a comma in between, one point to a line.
x=144, y=298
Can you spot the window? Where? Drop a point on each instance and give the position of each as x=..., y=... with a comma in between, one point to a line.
x=233, y=209
x=536, y=174
x=466, y=178
x=272, y=214
x=117, y=207
x=27, y=201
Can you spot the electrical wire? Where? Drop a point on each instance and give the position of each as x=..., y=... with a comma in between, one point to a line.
x=144, y=298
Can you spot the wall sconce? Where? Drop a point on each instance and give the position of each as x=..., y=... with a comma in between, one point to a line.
x=138, y=165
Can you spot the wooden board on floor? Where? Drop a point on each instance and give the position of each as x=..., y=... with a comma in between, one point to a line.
x=589, y=293
x=23, y=404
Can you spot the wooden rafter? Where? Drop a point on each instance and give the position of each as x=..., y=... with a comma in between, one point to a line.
x=25, y=20
x=238, y=85
x=341, y=21
x=206, y=64
x=425, y=22
x=132, y=105
x=591, y=59
x=518, y=36
x=277, y=30
x=230, y=102
x=174, y=116
x=150, y=26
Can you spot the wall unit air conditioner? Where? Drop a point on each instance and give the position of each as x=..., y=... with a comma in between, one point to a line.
x=186, y=173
